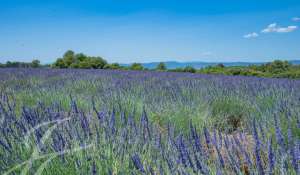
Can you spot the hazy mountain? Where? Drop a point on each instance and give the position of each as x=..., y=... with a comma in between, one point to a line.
x=195, y=64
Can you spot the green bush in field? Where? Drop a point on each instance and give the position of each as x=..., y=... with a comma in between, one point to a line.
x=72, y=60
x=136, y=66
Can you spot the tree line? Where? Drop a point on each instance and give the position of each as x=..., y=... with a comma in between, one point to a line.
x=18, y=64
x=275, y=69
x=70, y=59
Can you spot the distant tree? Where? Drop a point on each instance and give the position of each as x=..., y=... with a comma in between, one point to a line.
x=97, y=62
x=84, y=65
x=277, y=66
x=72, y=60
x=161, y=66
x=179, y=69
x=35, y=63
x=80, y=57
x=59, y=63
x=136, y=66
x=75, y=65
x=8, y=64
x=113, y=66
x=69, y=57
x=220, y=65
x=189, y=69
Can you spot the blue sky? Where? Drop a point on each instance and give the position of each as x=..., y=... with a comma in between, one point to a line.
x=154, y=30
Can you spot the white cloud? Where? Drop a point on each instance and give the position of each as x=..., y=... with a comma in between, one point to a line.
x=296, y=19
x=287, y=29
x=274, y=28
x=251, y=35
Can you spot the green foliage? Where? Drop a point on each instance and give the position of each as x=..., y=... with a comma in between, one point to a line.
x=220, y=65
x=72, y=60
x=60, y=63
x=161, y=67
x=189, y=69
x=136, y=66
x=230, y=114
x=113, y=66
x=17, y=64
x=176, y=70
x=35, y=63
x=275, y=69
x=277, y=66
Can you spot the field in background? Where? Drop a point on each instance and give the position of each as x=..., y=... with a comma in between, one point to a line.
x=114, y=121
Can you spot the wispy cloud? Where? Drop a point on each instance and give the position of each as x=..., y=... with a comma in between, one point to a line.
x=296, y=19
x=251, y=35
x=207, y=53
x=274, y=28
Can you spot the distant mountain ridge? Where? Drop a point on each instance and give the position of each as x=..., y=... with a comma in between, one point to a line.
x=199, y=64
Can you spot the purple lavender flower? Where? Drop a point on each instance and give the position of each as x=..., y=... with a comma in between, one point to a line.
x=232, y=159
x=123, y=118
x=6, y=147
x=257, y=150
x=196, y=138
x=220, y=139
x=207, y=136
x=220, y=157
x=214, y=139
x=180, y=147
x=94, y=168
x=243, y=150
x=271, y=156
x=158, y=141
x=150, y=169
x=74, y=106
x=296, y=155
x=291, y=145
x=112, y=123
x=219, y=172
x=170, y=163
x=161, y=170
x=85, y=124
x=279, y=135
x=137, y=163
x=145, y=125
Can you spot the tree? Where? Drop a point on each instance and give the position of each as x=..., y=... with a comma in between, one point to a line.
x=97, y=62
x=220, y=65
x=161, y=66
x=80, y=57
x=35, y=63
x=9, y=64
x=59, y=63
x=136, y=66
x=72, y=60
x=277, y=66
x=69, y=57
x=113, y=66
x=189, y=69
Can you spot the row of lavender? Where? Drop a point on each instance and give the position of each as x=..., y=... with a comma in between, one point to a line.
x=164, y=95
x=48, y=140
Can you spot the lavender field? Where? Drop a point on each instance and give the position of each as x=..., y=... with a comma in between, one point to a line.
x=67, y=121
